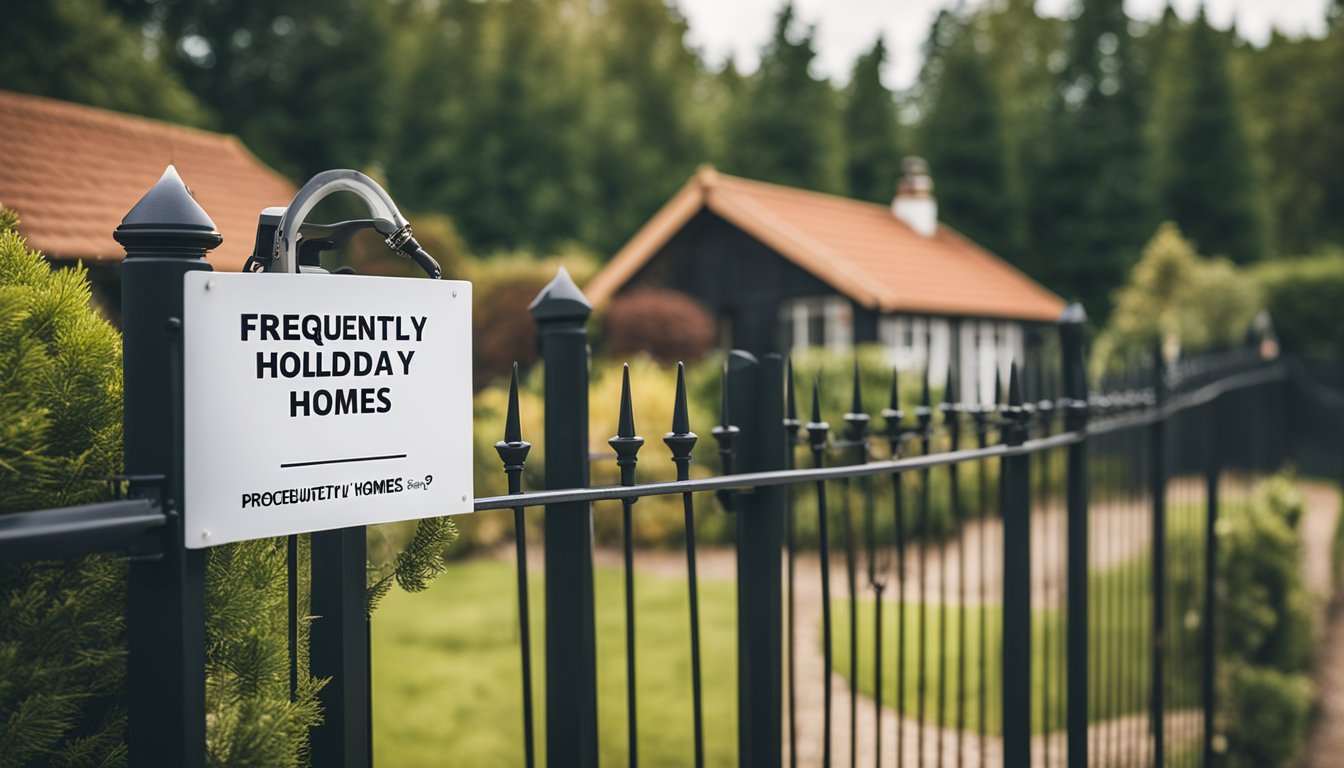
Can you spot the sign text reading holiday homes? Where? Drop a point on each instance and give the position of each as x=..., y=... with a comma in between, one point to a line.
x=315, y=402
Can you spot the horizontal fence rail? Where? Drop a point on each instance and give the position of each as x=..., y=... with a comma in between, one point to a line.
x=1101, y=425
x=130, y=526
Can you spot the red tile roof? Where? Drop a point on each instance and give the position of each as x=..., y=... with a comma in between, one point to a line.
x=858, y=248
x=73, y=171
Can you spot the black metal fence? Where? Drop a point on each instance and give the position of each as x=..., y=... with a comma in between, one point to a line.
x=1065, y=555
x=1029, y=581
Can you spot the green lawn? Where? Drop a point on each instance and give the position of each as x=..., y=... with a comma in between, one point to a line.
x=446, y=680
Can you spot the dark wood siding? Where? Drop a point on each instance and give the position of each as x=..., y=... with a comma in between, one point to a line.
x=739, y=279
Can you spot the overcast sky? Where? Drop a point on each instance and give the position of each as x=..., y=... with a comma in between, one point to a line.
x=846, y=28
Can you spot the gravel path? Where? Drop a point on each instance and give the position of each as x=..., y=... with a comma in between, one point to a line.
x=1325, y=740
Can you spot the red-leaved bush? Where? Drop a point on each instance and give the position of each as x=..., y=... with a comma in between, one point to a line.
x=667, y=325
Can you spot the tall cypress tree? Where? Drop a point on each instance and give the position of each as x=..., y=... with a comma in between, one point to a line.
x=307, y=84
x=645, y=116
x=1211, y=187
x=962, y=137
x=872, y=143
x=788, y=130
x=81, y=51
x=1092, y=206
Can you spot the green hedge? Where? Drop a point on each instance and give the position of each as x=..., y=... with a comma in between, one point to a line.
x=1305, y=297
x=1265, y=651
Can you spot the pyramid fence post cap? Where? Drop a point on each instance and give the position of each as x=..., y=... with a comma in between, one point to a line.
x=166, y=217
x=561, y=299
x=1073, y=314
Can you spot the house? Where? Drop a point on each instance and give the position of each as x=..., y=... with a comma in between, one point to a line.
x=786, y=269
x=73, y=171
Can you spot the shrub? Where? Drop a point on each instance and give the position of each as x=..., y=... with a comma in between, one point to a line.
x=1267, y=712
x=60, y=438
x=1176, y=297
x=667, y=325
x=1306, y=299
x=502, y=288
x=1267, y=608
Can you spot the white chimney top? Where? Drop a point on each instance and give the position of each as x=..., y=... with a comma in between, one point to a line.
x=914, y=203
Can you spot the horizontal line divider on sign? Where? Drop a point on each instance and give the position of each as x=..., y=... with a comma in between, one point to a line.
x=342, y=461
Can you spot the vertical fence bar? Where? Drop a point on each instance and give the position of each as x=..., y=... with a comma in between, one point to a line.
x=1017, y=662
x=626, y=444
x=791, y=427
x=166, y=234
x=951, y=414
x=817, y=432
x=1212, y=470
x=571, y=661
x=1157, y=454
x=681, y=441
x=981, y=419
x=758, y=399
x=856, y=426
x=892, y=416
x=513, y=452
x=1071, y=332
x=292, y=601
x=339, y=647
x=923, y=415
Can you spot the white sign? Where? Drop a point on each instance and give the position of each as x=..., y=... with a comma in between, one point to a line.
x=314, y=402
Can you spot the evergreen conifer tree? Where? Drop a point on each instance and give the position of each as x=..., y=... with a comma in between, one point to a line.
x=307, y=84
x=644, y=115
x=1091, y=200
x=788, y=130
x=80, y=51
x=872, y=142
x=61, y=659
x=1211, y=186
x=962, y=137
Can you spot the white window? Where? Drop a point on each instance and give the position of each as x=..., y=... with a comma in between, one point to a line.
x=987, y=355
x=906, y=338
x=940, y=350
x=822, y=321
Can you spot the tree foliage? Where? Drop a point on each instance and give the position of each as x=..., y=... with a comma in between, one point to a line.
x=871, y=130
x=61, y=661
x=666, y=325
x=78, y=50
x=1305, y=297
x=787, y=129
x=1211, y=183
x=1092, y=200
x=1178, y=299
x=305, y=83
x=962, y=137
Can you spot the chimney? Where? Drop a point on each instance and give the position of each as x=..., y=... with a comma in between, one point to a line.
x=914, y=203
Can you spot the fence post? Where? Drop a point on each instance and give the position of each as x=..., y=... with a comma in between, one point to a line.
x=1016, y=480
x=339, y=648
x=561, y=310
x=756, y=392
x=1071, y=332
x=165, y=235
x=1157, y=452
